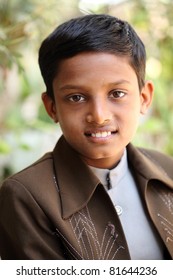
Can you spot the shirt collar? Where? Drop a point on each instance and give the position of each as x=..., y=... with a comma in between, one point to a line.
x=115, y=174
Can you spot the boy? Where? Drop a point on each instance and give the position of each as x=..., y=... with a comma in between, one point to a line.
x=95, y=196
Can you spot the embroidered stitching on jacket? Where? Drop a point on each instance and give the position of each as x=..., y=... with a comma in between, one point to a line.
x=86, y=236
x=68, y=243
x=168, y=200
x=167, y=225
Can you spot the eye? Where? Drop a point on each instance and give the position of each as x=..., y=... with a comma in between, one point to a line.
x=76, y=98
x=117, y=94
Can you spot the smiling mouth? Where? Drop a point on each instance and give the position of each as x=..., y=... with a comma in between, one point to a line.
x=100, y=134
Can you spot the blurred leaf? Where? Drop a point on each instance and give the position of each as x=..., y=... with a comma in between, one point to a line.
x=4, y=147
x=25, y=147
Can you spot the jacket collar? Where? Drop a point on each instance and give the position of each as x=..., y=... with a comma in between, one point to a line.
x=73, y=175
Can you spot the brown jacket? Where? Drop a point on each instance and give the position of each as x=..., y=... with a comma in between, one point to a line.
x=57, y=208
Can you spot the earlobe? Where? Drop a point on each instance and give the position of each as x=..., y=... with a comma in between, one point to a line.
x=146, y=97
x=49, y=105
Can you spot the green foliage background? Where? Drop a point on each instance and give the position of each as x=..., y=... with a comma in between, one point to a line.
x=25, y=130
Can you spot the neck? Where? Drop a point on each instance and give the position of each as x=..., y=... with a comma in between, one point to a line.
x=103, y=163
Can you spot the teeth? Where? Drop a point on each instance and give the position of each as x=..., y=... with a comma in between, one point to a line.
x=101, y=134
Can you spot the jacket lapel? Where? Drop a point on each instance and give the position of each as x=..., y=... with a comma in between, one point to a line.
x=160, y=206
x=71, y=171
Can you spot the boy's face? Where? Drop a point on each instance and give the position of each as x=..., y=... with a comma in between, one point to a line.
x=98, y=105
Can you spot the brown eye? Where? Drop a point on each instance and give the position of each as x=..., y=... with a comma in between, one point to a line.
x=76, y=98
x=117, y=94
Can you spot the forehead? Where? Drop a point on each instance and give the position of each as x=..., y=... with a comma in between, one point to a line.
x=94, y=65
x=82, y=59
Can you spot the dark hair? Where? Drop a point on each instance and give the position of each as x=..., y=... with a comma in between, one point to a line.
x=97, y=33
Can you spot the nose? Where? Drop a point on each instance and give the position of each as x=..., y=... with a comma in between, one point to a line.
x=99, y=112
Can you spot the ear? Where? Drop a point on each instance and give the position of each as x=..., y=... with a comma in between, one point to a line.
x=147, y=93
x=50, y=106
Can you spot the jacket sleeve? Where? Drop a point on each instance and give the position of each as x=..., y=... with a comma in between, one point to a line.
x=25, y=230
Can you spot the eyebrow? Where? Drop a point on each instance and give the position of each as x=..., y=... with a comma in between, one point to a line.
x=70, y=86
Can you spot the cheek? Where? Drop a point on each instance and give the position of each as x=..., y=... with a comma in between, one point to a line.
x=133, y=118
x=129, y=112
x=71, y=118
x=68, y=123
x=128, y=120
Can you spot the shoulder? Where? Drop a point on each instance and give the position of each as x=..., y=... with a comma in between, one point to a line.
x=32, y=176
x=159, y=158
x=34, y=186
x=35, y=168
x=150, y=163
x=151, y=154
